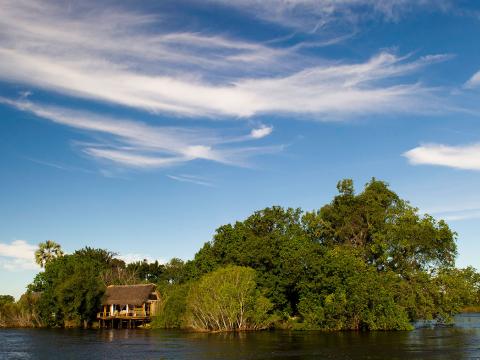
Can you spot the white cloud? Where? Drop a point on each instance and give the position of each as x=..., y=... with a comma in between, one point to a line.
x=132, y=159
x=312, y=15
x=474, y=81
x=465, y=157
x=110, y=55
x=340, y=90
x=261, y=132
x=18, y=249
x=140, y=145
x=18, y=255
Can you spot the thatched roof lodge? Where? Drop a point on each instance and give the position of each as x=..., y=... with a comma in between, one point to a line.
x=130, y=304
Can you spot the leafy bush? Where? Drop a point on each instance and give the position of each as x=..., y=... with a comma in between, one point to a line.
x=348, y=294
x=171, y=313
x=21, y=313
x=227, y=299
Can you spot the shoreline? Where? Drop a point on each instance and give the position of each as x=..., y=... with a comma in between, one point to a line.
x=468, y=311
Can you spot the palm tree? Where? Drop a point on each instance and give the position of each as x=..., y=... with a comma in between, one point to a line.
x=47, y=251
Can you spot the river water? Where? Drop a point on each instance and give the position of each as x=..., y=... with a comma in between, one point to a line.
x=459, y=342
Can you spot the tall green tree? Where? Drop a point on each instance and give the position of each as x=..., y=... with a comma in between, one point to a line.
x=46, y=252
x=388, y=230
x=346, y=293
x=271, y=241
x=145, y=271
x=71, y=286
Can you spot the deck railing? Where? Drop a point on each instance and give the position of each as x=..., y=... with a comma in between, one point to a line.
x=124, y=314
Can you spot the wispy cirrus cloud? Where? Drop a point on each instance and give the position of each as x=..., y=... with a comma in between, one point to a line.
x=465, y=157
x=140, y=145
x=336, y=90
x=461, y=215
x=105, y=35
x=111, y=54
x=58, y=166
x=456, y=213
x=108, y=54
x=17, y=255
x=312, y=15
x=127, y=36
x=193, y=179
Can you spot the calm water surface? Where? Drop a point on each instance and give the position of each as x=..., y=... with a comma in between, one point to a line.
x=459, y=342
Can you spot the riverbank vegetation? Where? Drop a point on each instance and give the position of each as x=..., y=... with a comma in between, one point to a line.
x=227, y=299
x=22, y=313
x=365, y=261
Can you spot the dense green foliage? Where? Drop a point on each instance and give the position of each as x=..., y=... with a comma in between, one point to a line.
x=347, y=293
x=273, y=243
x=150, y=272
x=387, y=229
x=6, y=299
x=357, y=263
x=227, y=299
x=21, y=313
x=71, y=287
x=173, y=308
x=365, y=261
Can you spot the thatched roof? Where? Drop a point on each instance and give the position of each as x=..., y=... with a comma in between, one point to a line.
x=128, y=294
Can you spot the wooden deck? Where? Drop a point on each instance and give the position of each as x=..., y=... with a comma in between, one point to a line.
x=123, y=319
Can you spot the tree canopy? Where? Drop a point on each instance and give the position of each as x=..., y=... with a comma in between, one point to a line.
x=343, y=266
x=365, y=261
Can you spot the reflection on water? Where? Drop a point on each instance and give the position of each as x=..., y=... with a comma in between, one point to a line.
x=468, y=321
x=459, y=342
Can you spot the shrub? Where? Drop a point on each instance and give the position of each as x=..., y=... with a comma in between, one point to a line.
x=171, y=313
x=227, y=299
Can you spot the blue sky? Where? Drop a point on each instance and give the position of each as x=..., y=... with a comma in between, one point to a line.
x=141, y=127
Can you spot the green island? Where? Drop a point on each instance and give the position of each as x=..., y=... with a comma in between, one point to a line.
x=365, y=261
